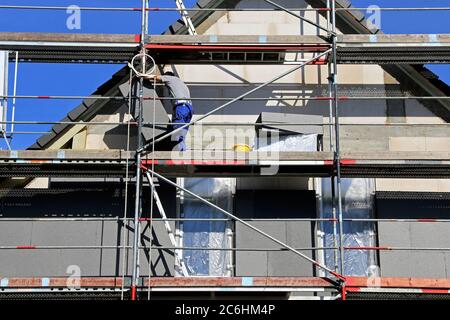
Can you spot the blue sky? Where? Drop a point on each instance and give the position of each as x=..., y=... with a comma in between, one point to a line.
x=414, y=21
x=79, y=79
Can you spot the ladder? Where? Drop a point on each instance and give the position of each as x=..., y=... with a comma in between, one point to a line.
x=186, y=18
x=179, y=262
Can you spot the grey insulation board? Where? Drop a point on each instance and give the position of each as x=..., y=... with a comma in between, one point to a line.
x=71, y=202
x=306, y=124
x=152, y=110
x=429, y=264
x=274, y=263
x=91, y=262
x=274, y=204
x=413, y=263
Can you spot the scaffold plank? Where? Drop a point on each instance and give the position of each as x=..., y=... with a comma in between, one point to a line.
x=199, y=49
x=353, y=284
x=64, y=47
x=239, y=282
x=172, y=282
x=79, y=38
x=34, y=163
x=398, y=282
x=267, y=40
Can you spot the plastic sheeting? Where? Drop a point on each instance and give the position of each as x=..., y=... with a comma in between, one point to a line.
x=206, y=234
x=294, y=142
x=357, y=202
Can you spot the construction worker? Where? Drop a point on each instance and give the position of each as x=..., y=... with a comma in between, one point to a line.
x=182, y=106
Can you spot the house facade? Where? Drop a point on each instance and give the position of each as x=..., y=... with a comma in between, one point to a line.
x=297, y=210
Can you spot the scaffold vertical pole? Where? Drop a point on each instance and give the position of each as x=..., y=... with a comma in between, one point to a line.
x=13, y=112
x=138, y=193
x=330, y=82
x=331, y=144
x=337, y=137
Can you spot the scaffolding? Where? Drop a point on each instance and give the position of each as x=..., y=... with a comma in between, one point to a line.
x=331, y=50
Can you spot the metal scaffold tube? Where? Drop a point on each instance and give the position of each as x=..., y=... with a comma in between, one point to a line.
x=236, y=123
x=138, y=192
x=318, y=98
x=334, y=87
x=137, y=203
x=131, y=9
x=206, y=124
x=331, y=34
x=356, y=248
x=284, y=248
x=166, y=219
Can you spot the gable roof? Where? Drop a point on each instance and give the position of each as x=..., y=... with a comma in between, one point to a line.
x=419, y=78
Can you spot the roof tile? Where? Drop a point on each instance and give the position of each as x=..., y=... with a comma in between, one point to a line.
x=57, y=128
x=42, y=141
x=78, y=111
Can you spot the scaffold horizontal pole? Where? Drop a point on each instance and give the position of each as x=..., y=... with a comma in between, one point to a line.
x=294, y=250
x=301, y=9
x=312, y=98
x=120, y=219
x=211, y=123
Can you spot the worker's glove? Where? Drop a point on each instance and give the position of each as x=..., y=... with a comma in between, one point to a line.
x=149, y=76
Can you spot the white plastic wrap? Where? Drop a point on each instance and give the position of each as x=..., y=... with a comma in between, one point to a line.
x=357, y=202
x=206, y=234
x=295, y=142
